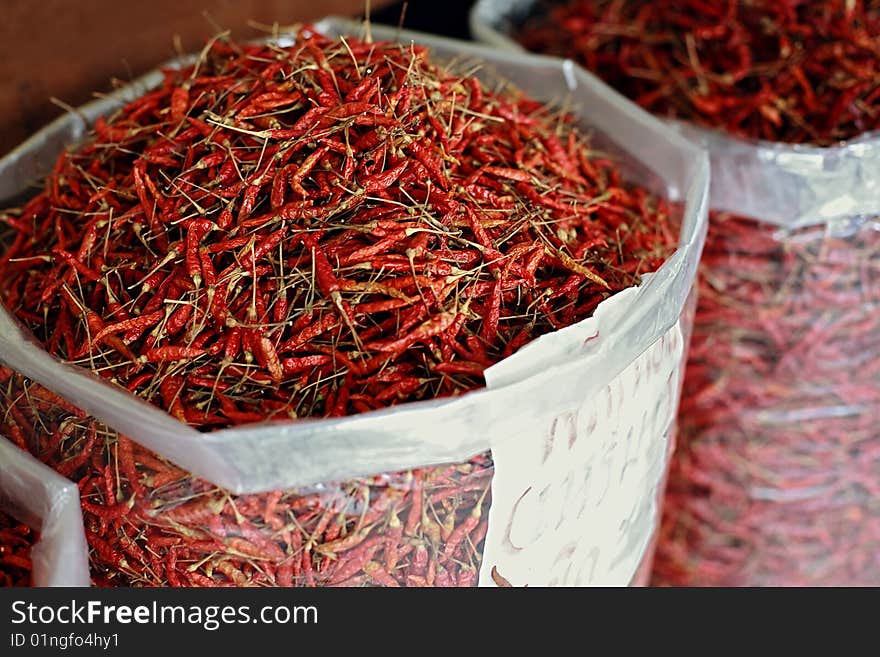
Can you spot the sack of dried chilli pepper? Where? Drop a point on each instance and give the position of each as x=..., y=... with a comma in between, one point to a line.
x=776, y=479
x=321, y=259
x=41, y=532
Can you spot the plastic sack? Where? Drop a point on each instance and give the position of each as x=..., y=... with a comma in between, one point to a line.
x=775, y=479
x=540, y=401
x=49, y=504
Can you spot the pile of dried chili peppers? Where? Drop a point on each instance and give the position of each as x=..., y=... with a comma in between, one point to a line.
x=16, y=541
x=314, y=230
x=802, y=71
x=775, y=481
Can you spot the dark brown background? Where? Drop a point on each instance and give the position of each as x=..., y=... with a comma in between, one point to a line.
x=70, y=49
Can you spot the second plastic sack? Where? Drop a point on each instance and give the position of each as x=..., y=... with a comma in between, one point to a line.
x=774, y=482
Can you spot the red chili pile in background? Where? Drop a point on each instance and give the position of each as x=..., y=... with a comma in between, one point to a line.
x=310, y=231
x=799, y=72
x=16, y=541
x=775, y=479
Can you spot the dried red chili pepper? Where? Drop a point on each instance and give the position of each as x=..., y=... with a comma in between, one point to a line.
x=197, y=264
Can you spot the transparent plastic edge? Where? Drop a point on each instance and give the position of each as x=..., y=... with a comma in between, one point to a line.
x=49, y=504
